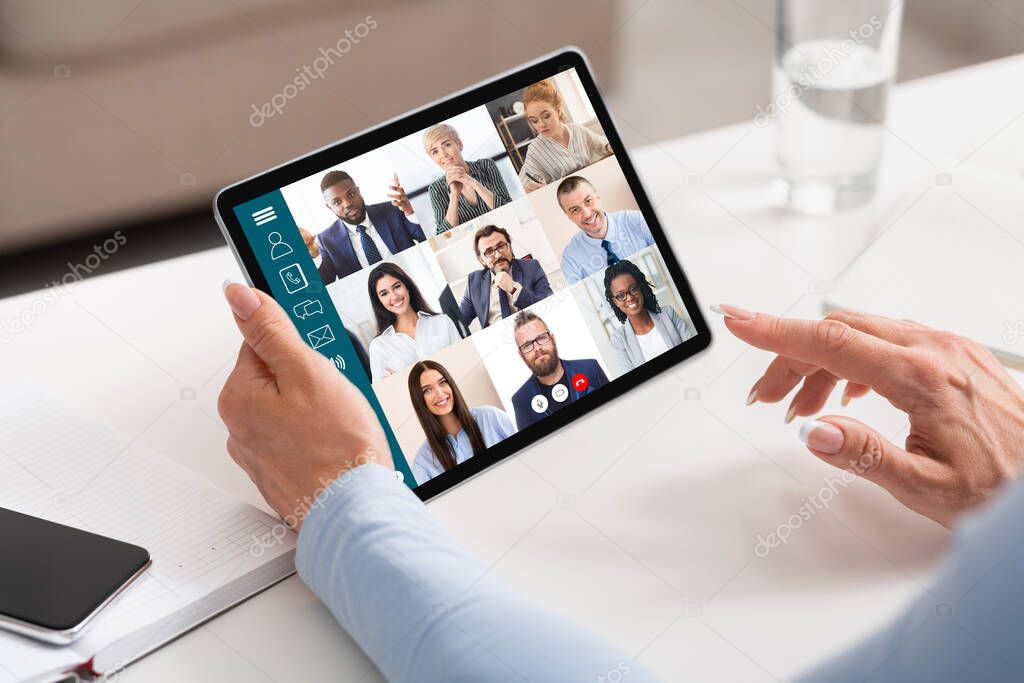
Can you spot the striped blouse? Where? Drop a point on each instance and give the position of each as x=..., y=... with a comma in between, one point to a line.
x=487, y=173
x=547, y=160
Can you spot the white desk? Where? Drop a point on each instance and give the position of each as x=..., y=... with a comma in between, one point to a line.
x=661, y=496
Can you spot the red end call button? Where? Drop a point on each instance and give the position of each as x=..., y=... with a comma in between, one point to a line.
x=580, y=382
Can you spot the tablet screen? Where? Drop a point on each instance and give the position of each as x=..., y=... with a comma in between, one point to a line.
x=475, y=276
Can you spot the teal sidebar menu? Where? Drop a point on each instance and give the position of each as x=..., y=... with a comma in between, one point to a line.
x=295, y=284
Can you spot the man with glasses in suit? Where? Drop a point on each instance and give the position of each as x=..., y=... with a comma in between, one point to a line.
x=505, y=284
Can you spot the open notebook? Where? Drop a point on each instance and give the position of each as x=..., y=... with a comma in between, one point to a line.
x=209, y=551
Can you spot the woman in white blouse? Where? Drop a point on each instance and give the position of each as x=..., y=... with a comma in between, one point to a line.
x=561, y=148
x=647, y=328
x=407, y=329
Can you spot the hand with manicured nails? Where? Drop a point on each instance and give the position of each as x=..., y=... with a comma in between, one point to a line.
x=966, y=413
x=295, y=423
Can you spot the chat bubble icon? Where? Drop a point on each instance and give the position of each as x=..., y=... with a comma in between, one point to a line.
x=307, y=308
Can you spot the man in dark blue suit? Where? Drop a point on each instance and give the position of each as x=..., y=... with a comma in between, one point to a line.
x=505, y=284
x=363, y=234
x=554, y=381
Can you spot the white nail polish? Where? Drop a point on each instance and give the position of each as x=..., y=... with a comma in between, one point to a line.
x=790, y=414
x=737, y=312
x=807, y=427
x=227, y=283
x=822, y=436
x=752, y=396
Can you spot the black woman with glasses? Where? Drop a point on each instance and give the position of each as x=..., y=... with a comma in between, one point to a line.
x=505, y=284
x=647, y=328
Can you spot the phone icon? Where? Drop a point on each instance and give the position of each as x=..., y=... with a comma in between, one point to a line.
x=293, y=278
x=580, y=382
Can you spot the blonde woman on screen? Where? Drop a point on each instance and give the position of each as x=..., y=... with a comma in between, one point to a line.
x=561, y=147
x=467, y=189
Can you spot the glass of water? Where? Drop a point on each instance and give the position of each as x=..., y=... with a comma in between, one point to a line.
x=834, y=63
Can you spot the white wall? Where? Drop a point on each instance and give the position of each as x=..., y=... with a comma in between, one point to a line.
x=577, y=104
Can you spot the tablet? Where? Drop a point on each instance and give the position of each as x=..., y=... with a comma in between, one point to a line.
x=486, y=269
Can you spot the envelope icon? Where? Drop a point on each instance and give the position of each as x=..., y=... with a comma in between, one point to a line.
x=321, y=336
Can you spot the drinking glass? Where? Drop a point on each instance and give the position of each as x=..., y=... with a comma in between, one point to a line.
x=834, y=63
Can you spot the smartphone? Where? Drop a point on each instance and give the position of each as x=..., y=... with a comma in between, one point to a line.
x=55, y=579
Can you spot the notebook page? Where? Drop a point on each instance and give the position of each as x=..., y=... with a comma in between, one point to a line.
x=63, y=467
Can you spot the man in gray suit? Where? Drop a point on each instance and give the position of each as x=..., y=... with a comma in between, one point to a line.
x=505, y=284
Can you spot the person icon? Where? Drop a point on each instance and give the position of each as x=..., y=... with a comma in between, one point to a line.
x=278, y=247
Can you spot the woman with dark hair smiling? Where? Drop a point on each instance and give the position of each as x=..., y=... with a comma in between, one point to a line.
x=455, y=432
x=407, y=328
x=647, y=329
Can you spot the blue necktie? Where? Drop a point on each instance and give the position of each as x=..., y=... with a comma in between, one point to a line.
x=506, y=310
x=612, y=257
x=369, y=248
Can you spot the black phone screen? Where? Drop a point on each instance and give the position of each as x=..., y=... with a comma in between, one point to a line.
x=55, y=576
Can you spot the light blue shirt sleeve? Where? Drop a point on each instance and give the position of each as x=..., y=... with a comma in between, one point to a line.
x=424, y=609
x=583, y=256
x=968, y=626
x=425, y=465
x=572, y=266
x=634, y=233
x=494, y=425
